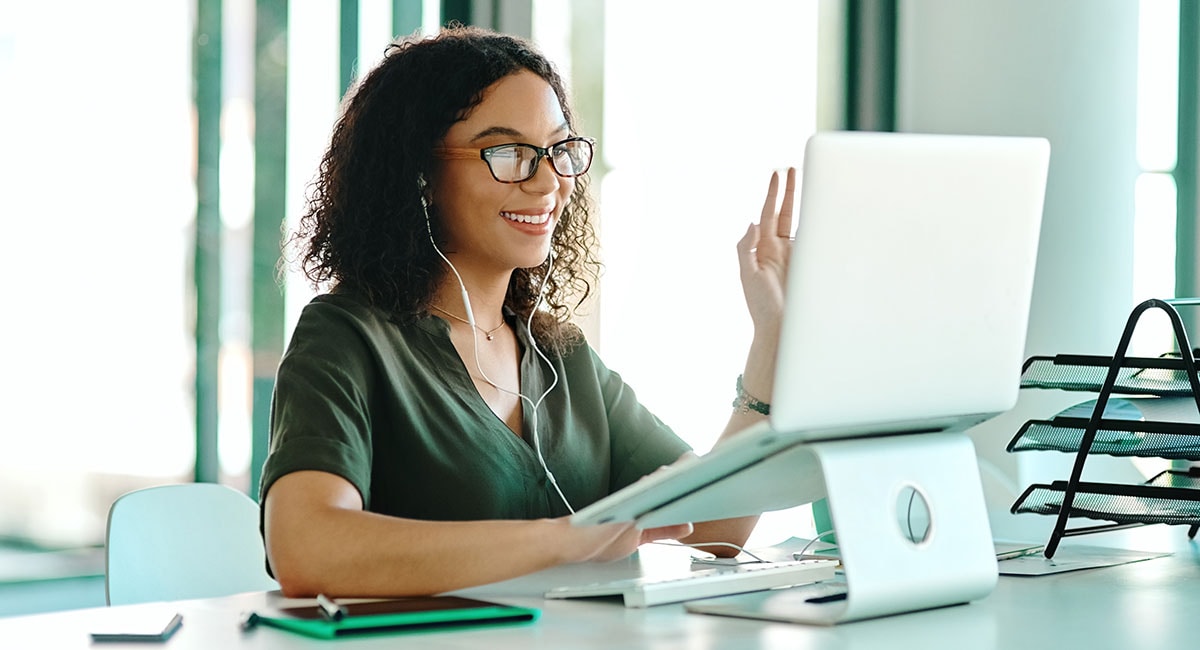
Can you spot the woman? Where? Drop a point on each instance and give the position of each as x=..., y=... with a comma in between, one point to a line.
x=436, y=417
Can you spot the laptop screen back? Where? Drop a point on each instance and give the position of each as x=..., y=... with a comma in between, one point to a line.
x=909, y=283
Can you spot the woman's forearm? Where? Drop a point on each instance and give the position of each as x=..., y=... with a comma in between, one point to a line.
x=357, y=553
x=318, y=541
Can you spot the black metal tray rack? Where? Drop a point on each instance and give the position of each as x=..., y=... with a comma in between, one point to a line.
x=1172, y=496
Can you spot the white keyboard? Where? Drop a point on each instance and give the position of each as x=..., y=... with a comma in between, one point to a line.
x=704, y=583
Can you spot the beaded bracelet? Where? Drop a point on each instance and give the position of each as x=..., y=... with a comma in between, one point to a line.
x=745, y=402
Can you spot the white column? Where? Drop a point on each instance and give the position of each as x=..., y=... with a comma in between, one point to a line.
x=1064, y=70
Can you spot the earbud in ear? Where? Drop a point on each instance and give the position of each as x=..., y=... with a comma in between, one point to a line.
x=423, y=190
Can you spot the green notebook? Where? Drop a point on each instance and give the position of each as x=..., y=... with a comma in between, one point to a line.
x=394, y=616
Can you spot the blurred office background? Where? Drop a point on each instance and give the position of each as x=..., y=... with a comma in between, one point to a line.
x=152, y=152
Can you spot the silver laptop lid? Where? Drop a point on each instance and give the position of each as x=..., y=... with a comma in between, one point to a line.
x=910, y=282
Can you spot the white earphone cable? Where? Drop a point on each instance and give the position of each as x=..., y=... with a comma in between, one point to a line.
x=533, y=406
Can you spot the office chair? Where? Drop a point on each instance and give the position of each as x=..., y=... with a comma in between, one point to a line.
x=174, y=542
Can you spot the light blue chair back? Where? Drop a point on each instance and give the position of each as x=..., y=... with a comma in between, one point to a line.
x=175, y=542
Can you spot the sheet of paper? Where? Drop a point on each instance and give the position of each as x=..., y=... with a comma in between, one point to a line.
x=1072, y=558
x=1014, y=558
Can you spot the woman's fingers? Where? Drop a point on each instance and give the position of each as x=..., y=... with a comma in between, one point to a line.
x=784, y=225
x=678, y=531
x=767, y=219
x=775, y=223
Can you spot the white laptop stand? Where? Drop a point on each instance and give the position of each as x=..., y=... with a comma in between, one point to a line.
x=899, y=556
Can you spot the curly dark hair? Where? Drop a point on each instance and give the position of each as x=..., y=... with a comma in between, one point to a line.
x=363, y=229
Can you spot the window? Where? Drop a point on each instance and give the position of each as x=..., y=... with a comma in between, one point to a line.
x=1154, y=196
x=700, y=107
x=96, y=185
x=697, y=115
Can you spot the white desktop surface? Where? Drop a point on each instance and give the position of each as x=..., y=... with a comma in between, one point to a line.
x=1149, y=604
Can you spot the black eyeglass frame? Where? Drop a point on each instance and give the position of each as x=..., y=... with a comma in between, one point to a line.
x=486, y=153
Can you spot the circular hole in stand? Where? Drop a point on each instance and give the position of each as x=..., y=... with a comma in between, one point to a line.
x=912, y=515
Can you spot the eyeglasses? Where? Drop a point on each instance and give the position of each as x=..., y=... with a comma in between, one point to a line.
x=517, y=163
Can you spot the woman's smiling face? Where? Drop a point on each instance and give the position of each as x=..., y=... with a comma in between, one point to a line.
x=494, y=226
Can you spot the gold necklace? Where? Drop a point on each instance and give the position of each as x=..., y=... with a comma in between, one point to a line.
x=488, y=333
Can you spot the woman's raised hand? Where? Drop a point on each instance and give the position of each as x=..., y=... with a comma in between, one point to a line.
x=763, y=255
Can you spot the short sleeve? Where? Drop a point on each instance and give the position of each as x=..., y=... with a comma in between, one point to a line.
x=640, y=443
x=320, y=418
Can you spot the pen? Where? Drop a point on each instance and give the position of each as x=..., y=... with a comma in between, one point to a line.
x=248, y=621
x=330, y=609
x=1012, y=555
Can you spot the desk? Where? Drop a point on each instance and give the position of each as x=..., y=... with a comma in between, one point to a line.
x=1149, y=604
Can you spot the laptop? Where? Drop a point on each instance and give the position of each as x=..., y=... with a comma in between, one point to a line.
x=907, y=305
